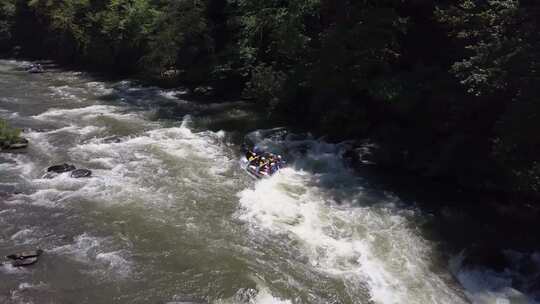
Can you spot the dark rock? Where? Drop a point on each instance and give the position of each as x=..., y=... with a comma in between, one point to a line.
x=81, y=173
x=24, y=262
x=18, y=144
x=26, y=258
x=204, y=91
x=35, y=69
x=61, y=168
x=25, y=254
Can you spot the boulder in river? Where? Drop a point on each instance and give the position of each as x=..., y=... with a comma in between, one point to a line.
x=78, y=173
x=35, y=69
x=204, y=91
x=19, y=143
x=61, y=168
x=26, y=258
x=15, y=144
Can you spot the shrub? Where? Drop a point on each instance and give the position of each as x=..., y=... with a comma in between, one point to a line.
x=8, y=135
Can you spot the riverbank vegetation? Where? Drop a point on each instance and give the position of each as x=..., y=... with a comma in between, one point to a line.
x=446, y=89
x=8, y=135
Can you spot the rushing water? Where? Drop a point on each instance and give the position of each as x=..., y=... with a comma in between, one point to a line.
x=170, y=217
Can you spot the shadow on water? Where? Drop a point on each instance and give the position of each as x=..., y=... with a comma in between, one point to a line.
x=492, y=235
x=464, y=218
x=481, y=222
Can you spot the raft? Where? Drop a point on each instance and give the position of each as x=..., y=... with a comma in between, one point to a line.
x=252, y=171
x=251, y=168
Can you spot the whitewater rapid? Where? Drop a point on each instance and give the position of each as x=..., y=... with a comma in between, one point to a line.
x=170, y=217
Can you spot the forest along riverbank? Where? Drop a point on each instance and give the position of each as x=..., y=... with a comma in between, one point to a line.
x=168, y=215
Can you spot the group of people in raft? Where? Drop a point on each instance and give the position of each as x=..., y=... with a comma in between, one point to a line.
x=264, y=163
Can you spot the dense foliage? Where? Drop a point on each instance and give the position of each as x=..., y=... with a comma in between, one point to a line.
x=447, y=88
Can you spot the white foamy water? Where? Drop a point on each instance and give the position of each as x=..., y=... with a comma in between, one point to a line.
x=66, y=92
x=99, y=88
x=154, y=152
x=86, y=113
x=173, y=94
x=346, y=233
x=486, y=286
x=168, y=212
x=93, y=251
x=265, y=297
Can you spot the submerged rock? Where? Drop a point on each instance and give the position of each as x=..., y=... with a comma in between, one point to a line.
x=24, y=262
x=78, y=173
x=26, y=258
x=61, y=168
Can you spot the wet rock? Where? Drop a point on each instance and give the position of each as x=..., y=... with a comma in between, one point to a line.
x=35, y=69
x=204, y=91
x=245, y=295
x=79, y=173
x=18, y=144
x=24, y=262
x=25, y=254
x=26, y=258
x=61, y=168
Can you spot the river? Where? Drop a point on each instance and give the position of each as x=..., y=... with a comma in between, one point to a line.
x=170, y=217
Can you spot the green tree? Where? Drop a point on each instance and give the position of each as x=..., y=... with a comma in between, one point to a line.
x=7, y=14
x=501, y=61
x=181, y=40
